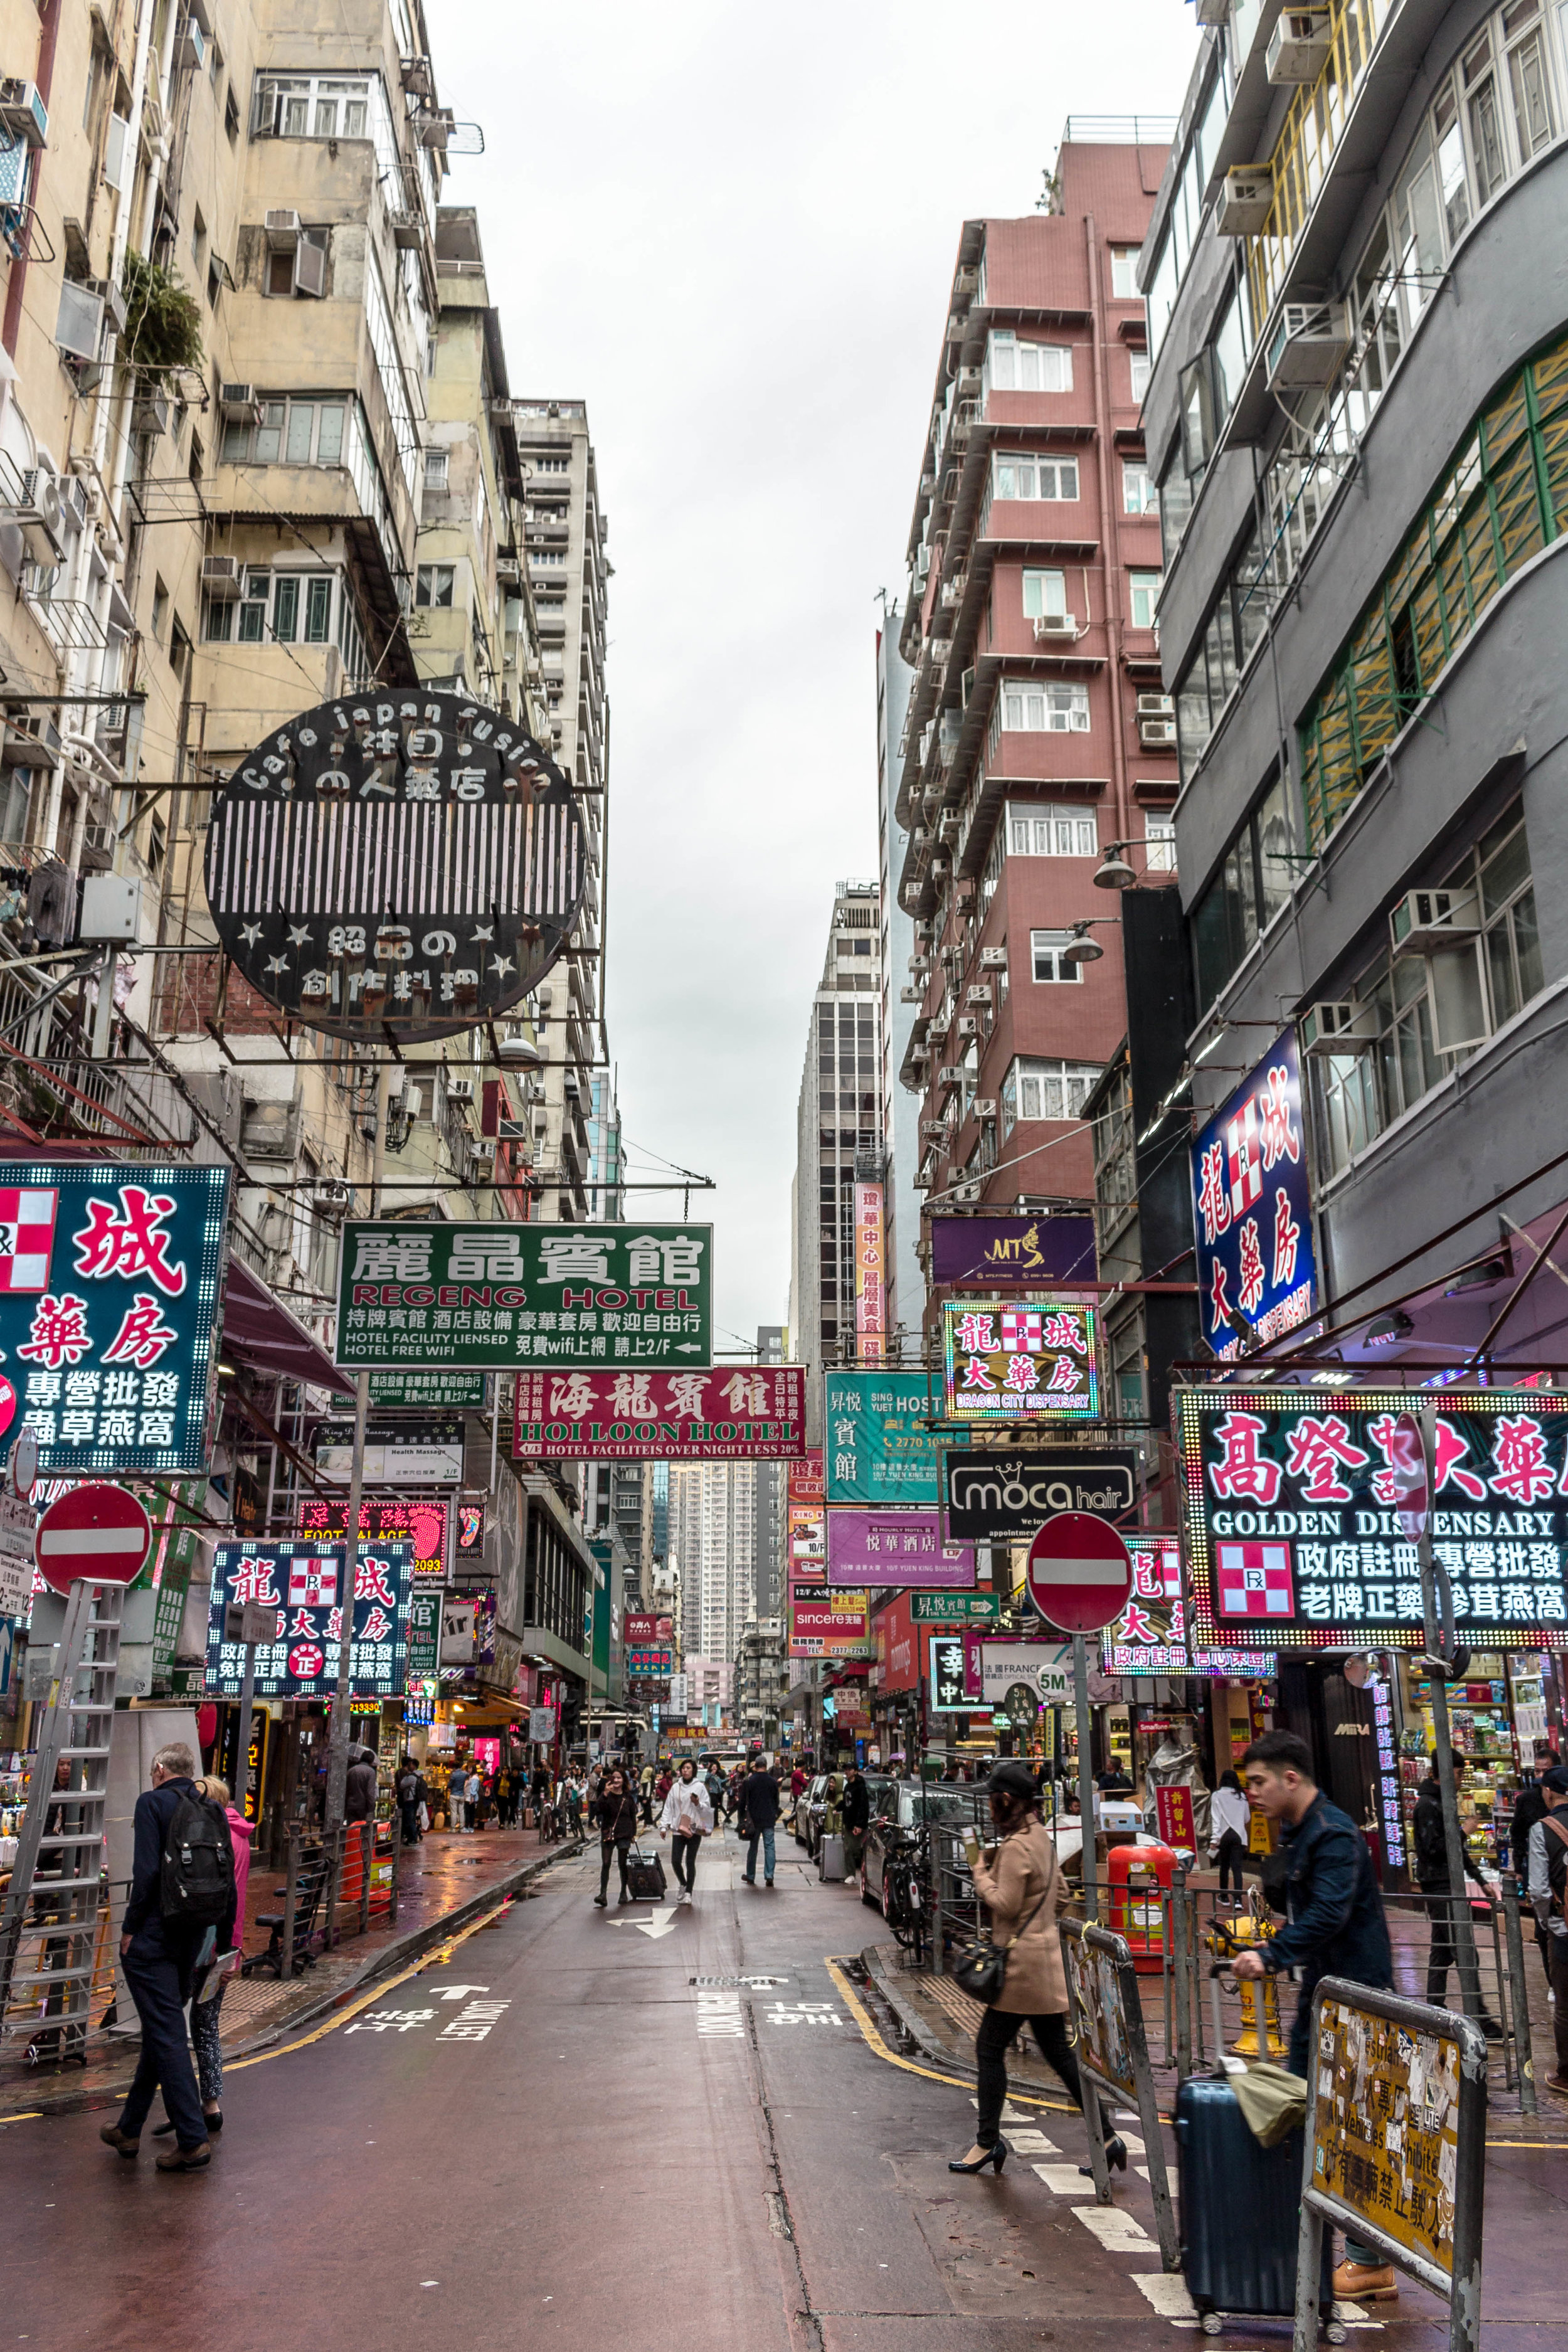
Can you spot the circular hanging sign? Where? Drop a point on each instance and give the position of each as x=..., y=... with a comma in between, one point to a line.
x=407, y=861
x=97, y=1531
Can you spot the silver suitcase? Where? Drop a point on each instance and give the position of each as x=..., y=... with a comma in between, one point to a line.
x=830, y=1857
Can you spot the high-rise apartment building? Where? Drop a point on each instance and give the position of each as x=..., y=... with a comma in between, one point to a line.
x=1038, y=740
x=901, y=995
x=712, y=1509
x=768, y=1506
x=565, y=532
x=838, y=1128
x=1356, y=419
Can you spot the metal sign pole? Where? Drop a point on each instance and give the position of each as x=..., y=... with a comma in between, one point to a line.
x=1461, y=1927
x=242, y=1756
x=1090, y=1860
x=338, y=1747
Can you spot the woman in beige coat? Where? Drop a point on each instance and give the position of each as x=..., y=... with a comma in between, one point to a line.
x=1021, y=1887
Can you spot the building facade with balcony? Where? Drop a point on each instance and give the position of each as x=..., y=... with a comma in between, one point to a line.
x=1356, y=421
x=901, y=994
x=1038, y=739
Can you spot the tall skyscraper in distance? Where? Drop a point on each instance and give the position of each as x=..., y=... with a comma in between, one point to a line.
x=712, y=1512
x=768, y=1517
x=900, y=996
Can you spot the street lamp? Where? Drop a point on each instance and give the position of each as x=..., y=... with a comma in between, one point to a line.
x=1113, y=872
x=1081, y=948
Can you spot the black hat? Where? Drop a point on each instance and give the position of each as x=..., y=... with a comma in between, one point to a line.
x=1011, y=1779
x=1556, y=1780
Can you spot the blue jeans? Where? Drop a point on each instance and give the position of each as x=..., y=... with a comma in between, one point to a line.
x=158, y=1971
x=767, y=1837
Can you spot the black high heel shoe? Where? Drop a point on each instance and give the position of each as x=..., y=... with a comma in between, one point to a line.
x=1115, y=2157
x=996, y=2156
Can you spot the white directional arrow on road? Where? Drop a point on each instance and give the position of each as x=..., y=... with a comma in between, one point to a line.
x=457, y=1992
x=659, y=1925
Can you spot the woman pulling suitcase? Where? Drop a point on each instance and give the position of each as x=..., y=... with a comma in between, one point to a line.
x=1021, y=1888
x=617, y=1828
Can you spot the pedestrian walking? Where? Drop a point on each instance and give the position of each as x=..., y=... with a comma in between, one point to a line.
x=1529, y=1807
x=618, y=1810
x=210, y=1980
x=686, y=1816
x=1335, y=1927
x=857, y=1811
x=359, y=1790
x=1021, y=1887
x=1230, y=1821
x=457, y=1796
x=759, y=1818
x=645, y=1791
x=714, y=1784
x=176, y=1896
x=1548, y=1882
x=1431, y=1877
x=410, y=1795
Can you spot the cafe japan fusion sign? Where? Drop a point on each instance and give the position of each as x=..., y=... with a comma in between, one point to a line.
x=499, y=1295
x=1295, y=1536
x=411, y=863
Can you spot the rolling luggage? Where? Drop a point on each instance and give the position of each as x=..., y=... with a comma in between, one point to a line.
x=830, y=1856
x=1240, y=2206
x=644, y=1874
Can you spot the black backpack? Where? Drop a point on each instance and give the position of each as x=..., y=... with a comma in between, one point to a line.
x=197, y=1878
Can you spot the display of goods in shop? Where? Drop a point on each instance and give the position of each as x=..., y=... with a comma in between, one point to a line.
x=1296, y=1517
x=408, y=862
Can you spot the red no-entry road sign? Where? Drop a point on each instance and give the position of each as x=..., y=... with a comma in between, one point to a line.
x=97, y=1531
x=1081, y=1573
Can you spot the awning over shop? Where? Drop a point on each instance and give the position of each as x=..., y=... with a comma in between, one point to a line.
x=260, y=1334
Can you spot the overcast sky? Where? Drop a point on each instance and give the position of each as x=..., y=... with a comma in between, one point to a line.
x=732, y=231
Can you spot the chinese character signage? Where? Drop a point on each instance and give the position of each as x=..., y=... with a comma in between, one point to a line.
x=1150, y=1635
x=1030, y=1251
x=830, y=1626
x=642, y=1660
x=1385, y=2128
x=423, y=1640
x=1388, y=1773
x=423, y=1524
x=879, y=1448
x=1007, y=1497
x=945, y=1655
x=396, y=1452
x=305, y=1583
x=407, y=866
x=955, y=1608
x=1252, y=1209
x=1294, y=1533
x=703, y=1416
x=1020, y=1360
x=109, y=1294
x=900, y=1550
x=805, y=1520
x=478, y=1295
x=1173, y=1818
x=437, y=1392
x=870, y=1292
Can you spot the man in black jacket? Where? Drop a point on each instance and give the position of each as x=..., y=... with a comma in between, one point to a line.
x=856, y=1819
x=158, y=1956
x=759, y=1817
x=1431, y=1877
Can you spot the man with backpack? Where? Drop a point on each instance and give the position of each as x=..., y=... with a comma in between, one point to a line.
x=1549, y=1894
x=182, y=1885
x=410, y=1796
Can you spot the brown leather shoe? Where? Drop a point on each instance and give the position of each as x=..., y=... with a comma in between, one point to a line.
x=1364, y=2282
x=1557, y=2083
x=186, y=2159
x=113, y=2137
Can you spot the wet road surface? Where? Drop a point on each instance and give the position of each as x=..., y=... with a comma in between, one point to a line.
x=679, y=2129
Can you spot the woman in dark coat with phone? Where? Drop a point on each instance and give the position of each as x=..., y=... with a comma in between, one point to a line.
x=617, y=1829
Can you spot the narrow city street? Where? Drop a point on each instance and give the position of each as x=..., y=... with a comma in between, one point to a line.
x=683, y=2128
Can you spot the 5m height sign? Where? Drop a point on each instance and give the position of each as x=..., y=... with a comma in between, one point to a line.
x=486, y=1296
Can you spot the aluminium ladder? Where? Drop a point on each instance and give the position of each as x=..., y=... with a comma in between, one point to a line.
x=52, y=1911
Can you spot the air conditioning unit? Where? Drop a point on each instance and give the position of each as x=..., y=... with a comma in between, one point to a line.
x=979, y=993
x=983, y=1106
x=1155, y=706
x=417, y=75
x=933, y=1129
x=968, y=384
x=460, y=1090
x=407, y=232
x=1157, y=734
x=1246, y=200
x=282, y=231
x=1338, y=1027
x=950, y=827
x=1214, y=12
x=911, y=996
x=483, y=1153
x=222, y=577
x=993, y=959
x=22, y=112
x=191, y=50
x=1299, y=45
x=435, y=130
x=966, y=1191
x=1434, y=922
x=968, y=1025
x=1311, y=343
x=950, y=1074
x=1055, y=624
x=39, y=515
x=150, y=413
x=241, y=400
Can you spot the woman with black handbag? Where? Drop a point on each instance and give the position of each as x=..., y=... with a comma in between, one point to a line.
x=1017, y=1972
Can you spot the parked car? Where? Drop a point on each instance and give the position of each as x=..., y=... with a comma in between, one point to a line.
x=908, y=1805
x=809, y=1808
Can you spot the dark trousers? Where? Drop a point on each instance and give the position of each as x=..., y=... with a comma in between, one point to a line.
x=1443, y=1952
x=1557, y=1969
x=620, y=1853
x=410, y=1824
x=160, y=1981
x=1232, y=1846
x=998, y=2030
x=683, y=1853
